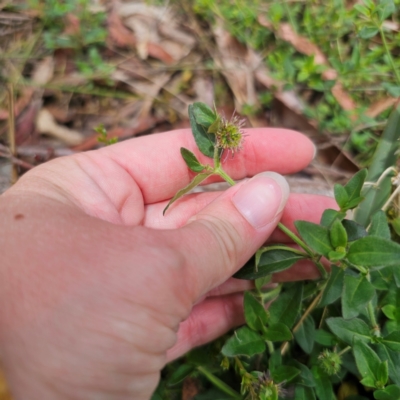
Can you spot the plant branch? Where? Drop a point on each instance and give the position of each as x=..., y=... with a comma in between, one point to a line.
x=387, y=50
x=296, y=239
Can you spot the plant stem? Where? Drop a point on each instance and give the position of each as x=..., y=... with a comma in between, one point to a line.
x=219, y=383
x=371, y=314
x=385, y=45
x=310, y=308
x=224, y=176
x=345, y=350
x=282, y=247
x=295, y=239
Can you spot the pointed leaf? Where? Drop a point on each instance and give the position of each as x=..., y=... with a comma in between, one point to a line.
x=357, y=292
x=180, y=374
x=341, y=196
x=284, y=373
x=379, y=225
x=348, y=330
x=270, y=261
x=203, y=114
x=391, y=392
x=305, y=335
x=382, y=374
x=392, y=341
x=393, y=359
x=306, y=377
x=354, y=230
x=354, y=185
x=304, y=393
x=286, y=307
x=205, y=142
x=334, y=286
x=195, y=182
x=323, y=385
x=338, y=234
x=374, y=252
x=243, y=342
x=316, y=236
x=367, y=360
x=254, y=312
x=325, y=338
x=278, y=332
x=329, y=215
x=191, y=161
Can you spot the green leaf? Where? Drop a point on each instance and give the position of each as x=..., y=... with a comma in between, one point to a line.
x=367, y=361
x=205, y=142
x=324, y=338
x=329, y=215
x=203, y=114
x=379, y=225
x=355, y=184
x=393, y=90
x=391, y=392
x=306, y=377
x=323, y=385
x=374, y=252
x=334, y=286
x=275, y=360
x=385, y=9
x=278, y=332
x=390, y=311
x=284, y=373
x=393, y=358
x=349, y=330
x=254, y=312
x=392, y=341
x=180, y=374
x=286, y=307
x=341, y=196
x=362, y=9
x=354, y=230
x=368, y=32
x=396, y=275
x=396, y=225
x=243, y=342
x=305, y=335
x=382, y=374
x=338, y=234
x=304, y=393
x=191, y=161
x=195, y=182
x=385, y=156
x=315, y=236
x=357, y=292
x=270, y=261
x=215, y=126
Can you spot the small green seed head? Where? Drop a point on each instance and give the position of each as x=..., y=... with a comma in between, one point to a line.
x=330, y=362
x=229, y=135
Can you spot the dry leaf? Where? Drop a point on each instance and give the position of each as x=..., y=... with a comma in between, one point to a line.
x=118, y=32
x=45, y=124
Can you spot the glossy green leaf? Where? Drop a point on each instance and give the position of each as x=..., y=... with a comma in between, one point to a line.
x=254, y=312
x=286, y=307
x=198, y=118
x=243, y=342
x=284, y=373
x=191, y=161
x=384, y=157
x=341, y=195
x=392, y=341
x=379, y=225
x=323, y=385
x=357, y=292
x=348, y=330
x=338, y=234
x=195, y=182
x=305, y=335
x=270, y=261
x=391, y=392
x=329, y=215
x=315, y=236
x=354, y=230
x=278, y=332
x=334, y=286
x=367, y=361
x=374, y=252
x=304, y=393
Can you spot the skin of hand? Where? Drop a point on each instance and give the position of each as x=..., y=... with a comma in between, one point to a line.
x=98, y=291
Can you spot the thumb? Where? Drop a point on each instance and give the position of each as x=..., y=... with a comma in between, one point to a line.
x=225, y=234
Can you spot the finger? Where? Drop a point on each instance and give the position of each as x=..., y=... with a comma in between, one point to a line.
x=208, y=320
x=308, y=207
x=225, y=234
x=155, y=163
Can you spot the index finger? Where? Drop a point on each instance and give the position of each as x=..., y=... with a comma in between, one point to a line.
x=156, y=165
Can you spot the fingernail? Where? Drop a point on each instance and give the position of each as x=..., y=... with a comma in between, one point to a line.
x=262, y=198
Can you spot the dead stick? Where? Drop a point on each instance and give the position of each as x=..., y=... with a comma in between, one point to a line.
x=11, y=130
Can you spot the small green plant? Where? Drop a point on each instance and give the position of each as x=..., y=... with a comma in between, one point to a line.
x=103, y=136
x=317, y=334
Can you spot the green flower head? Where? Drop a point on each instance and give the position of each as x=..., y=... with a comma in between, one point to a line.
x=330, y=362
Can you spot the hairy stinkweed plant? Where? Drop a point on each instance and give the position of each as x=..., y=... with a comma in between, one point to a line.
x=316, y=335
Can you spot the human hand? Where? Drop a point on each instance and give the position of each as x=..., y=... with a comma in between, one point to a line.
x=98, y=290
